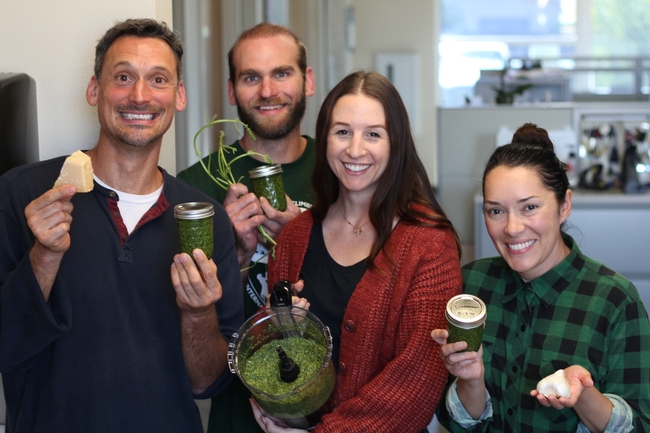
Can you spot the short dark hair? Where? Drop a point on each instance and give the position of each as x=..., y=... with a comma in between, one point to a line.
x=532, y=148
x=405, y=179
x=267, y=30
x=142, y=28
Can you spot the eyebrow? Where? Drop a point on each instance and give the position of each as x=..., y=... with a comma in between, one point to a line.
x=275, y=70
x=523, y=200
x=124, y=63
x=367, y=127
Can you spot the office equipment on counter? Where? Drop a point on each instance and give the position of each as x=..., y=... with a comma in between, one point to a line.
x=18, y=121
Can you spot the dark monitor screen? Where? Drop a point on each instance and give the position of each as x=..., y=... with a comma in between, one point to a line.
x=18, y=124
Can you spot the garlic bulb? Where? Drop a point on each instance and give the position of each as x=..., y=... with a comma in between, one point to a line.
x=555, y=384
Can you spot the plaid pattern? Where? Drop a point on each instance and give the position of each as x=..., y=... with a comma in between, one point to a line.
x=580, y=312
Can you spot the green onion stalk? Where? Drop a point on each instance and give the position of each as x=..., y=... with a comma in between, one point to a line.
x=225, y=177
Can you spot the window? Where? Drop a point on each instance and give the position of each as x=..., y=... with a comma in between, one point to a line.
x=478, y=35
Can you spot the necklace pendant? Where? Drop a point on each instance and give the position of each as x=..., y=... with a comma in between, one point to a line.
x=357, y=231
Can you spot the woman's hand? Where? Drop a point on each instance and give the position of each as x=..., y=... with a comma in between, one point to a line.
x=579, y=379
x=295, y=300
x=468, y=368
x=464, y=365
x=268, y=423
x=593, y=408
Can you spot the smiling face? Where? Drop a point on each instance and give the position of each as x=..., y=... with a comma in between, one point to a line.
x=138, y=92
x=523, y=219
x=357, y=143
x=270, y=92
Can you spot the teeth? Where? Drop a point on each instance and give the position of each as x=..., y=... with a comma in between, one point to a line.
x=356, y=167
x=521, y=246
x=271, y=107
x=133, y=116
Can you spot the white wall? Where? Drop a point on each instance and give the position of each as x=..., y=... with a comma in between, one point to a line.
x=408, y=26
x=53, y=42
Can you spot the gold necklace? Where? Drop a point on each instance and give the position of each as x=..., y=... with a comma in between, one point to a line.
x=357, y=230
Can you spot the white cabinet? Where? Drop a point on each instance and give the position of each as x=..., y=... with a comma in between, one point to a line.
x=611, y=228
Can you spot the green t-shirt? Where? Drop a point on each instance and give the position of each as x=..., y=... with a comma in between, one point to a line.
x=230, y=411
x=297, y=184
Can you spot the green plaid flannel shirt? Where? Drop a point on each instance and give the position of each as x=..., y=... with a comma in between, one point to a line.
x=580, y=312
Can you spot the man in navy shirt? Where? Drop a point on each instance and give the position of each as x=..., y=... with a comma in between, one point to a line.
x=104, y=326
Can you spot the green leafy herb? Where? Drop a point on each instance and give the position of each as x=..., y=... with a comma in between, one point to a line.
x=225, y=177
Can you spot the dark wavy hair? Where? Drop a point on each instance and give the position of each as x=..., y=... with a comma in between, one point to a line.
x=532, y=148
x=405, y=180
x=142, y=28
x=267, y=30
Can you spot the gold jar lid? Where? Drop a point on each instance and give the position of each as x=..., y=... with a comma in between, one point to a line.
x=264, y=171
x=193, y=210
x=466, y=311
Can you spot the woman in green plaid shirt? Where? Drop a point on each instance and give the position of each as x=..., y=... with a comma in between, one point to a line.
x=549, y=307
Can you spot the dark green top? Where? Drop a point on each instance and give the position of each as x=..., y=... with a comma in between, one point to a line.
x=296, y=177
x=580, y=312
x=231, y=411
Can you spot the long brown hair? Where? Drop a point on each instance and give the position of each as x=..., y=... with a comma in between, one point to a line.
x=405, y=180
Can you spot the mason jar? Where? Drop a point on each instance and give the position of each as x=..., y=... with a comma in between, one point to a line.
x=267, y=182
x=465, y=317
x=195, y=227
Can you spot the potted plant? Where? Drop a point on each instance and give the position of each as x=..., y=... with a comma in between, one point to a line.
x=506, y=94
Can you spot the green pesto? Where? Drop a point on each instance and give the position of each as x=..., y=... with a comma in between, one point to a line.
x=472, y=336
x=196, y=233
x=272, y=188
x=290, y=400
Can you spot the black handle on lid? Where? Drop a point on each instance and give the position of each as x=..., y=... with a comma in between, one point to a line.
x=281, y=294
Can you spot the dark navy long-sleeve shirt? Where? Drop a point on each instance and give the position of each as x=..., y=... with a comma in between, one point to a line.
x=103, y=354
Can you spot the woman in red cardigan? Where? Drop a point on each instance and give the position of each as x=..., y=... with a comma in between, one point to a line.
x=379, y=261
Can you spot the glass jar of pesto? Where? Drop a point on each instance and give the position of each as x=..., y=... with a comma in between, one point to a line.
x=195, y=227
x=267, y=182
x=465, y=317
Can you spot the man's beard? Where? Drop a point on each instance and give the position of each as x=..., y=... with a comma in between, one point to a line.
x=139, y=141
x=278, y=129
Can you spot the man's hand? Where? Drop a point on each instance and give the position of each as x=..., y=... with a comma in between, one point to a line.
x=197, y=288
x=245, y=213
x=275, y=220
x=49, y=218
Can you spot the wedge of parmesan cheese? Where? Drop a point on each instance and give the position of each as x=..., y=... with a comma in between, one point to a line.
x=78, y=171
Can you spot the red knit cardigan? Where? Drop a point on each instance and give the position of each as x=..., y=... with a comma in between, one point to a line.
x=391, y=377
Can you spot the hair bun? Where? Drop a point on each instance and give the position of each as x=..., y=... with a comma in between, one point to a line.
x=530, y=133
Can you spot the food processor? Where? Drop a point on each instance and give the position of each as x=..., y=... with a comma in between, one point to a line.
x=283, y=356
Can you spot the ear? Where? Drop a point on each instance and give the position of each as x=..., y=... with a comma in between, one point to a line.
x=92, y=91
x=565, y=208
x=310, y=83
x=181, y=98
x=231, y=93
